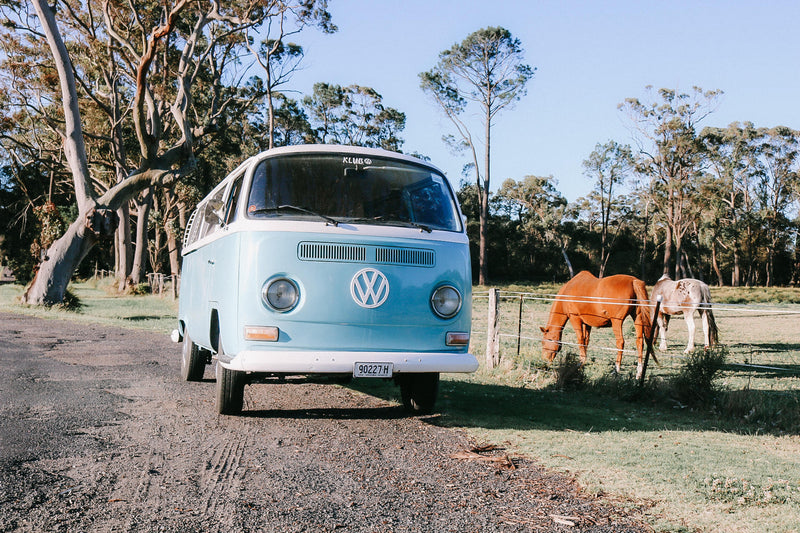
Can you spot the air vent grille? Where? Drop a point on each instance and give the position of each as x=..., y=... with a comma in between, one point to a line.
x=405, y=256
x=355, y=253
x=320, y=251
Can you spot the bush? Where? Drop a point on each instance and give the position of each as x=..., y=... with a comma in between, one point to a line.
x=71, y=302
x=694, y=383
x=140, y=289
x=568, y=372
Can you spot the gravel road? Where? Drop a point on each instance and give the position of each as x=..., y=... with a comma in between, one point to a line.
x=98, y=433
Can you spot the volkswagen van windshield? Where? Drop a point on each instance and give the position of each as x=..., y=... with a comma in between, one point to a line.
x=326, y=218
x=350, y=188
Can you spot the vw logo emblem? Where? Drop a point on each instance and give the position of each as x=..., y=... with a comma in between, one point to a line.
x=369, y=288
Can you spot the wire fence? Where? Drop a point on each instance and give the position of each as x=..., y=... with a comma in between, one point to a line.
x=157, y=282
x=759, y=337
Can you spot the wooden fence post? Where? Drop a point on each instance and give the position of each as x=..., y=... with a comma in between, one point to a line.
x=649, y=342
x=519, y=324
x=493, y=332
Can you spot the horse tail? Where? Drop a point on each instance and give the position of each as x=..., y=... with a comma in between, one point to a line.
x=643, y=311
x=643, y=306
x=713, y=331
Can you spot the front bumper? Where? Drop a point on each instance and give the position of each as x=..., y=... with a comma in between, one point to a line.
x=334, y=362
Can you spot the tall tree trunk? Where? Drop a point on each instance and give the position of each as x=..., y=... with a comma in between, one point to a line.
x=123, y=247
x=140, y=251
x=567, y=261
x=172, y=230
x=715, y=263
x=483, y=257
x=667, y=251
x=50, y=283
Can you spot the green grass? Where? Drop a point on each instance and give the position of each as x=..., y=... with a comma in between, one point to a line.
x=729, y=466
x=733, y=465
x=100, y=304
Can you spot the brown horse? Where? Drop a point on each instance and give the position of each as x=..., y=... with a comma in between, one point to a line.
x=684, y=297
x=588, y=302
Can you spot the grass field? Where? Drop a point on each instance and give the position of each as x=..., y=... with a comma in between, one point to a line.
x=733, y=465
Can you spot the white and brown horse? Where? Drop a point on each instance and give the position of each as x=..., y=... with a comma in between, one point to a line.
x=684, y=296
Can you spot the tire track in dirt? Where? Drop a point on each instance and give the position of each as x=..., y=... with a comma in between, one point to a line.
x=132, y=448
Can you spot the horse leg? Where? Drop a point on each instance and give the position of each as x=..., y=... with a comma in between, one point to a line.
x=663, y=323
x=580, y=328
x=586, y=332
x=688, y=316
x=704, y=316
x=616, y=325
x=639, y=326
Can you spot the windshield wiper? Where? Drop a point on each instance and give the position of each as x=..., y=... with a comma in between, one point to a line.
x=393, y=221
x=286, y=207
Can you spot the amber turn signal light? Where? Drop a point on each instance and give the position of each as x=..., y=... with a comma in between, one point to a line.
x=261, y=333
x=457, y=338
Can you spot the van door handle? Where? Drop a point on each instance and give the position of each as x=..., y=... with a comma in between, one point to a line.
x=210, y=262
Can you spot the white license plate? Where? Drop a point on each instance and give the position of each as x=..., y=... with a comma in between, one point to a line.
x=373, y=370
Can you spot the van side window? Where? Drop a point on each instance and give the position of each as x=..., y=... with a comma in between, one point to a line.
x=192, y=228
x=212, y=213
x=233, y=201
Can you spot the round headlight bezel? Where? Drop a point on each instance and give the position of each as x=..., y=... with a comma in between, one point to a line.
x=443, y=312
x=272, y=300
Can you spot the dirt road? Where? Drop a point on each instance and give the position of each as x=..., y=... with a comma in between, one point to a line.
x=98, y=433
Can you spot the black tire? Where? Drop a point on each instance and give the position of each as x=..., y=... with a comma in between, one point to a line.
x=230, y=391
x=193, y=360
x=419, y=392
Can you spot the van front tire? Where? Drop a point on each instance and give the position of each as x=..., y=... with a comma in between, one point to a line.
x=419, y=392
x=193, y=360
x=230, y=391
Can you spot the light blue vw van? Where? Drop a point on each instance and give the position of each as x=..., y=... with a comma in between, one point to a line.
x=325, y=259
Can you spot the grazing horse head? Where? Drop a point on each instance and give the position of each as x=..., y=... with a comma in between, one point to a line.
x=551, y=341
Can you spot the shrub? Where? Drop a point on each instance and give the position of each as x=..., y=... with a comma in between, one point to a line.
x=71, y=302
x=140, y=289
x=694, y=383
x=568, y=372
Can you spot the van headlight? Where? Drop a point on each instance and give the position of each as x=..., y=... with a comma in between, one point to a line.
x=446, y=301
x=280, y=294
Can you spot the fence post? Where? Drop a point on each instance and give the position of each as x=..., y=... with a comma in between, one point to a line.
x=519, y=324
x=649, y=341
x=493, y=332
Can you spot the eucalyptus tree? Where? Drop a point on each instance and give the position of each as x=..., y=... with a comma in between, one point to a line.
x=181, y=64
x=776, y=190
x=733, y=163
x=353, y=115
x=542, y=210
x=609, y=166
x=670, y=158
x=485, y=70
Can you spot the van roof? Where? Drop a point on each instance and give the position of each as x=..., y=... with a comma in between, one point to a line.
x=338, y=148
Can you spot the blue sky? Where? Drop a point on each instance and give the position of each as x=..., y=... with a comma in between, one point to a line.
x=589, y=56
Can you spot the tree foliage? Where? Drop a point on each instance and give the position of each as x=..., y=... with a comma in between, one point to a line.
x=486, y=70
